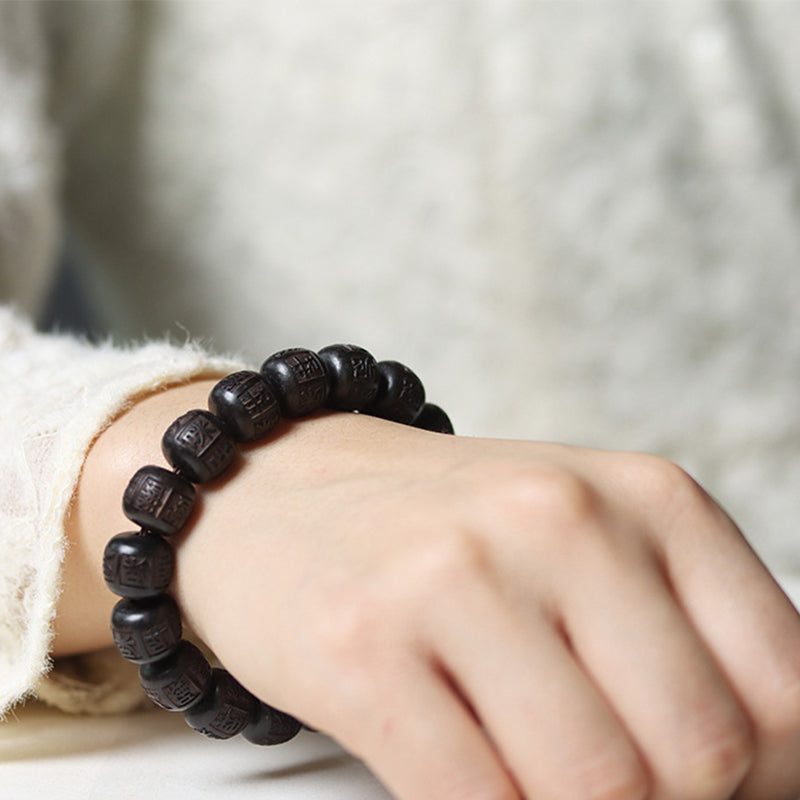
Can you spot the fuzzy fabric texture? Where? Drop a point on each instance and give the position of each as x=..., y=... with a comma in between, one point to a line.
x=57, y=394
x=29, y=164
x=577, y=220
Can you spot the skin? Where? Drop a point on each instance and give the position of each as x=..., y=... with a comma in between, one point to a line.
x=477, y=619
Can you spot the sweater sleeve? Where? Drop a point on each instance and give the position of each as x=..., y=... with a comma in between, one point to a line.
x=56, y=394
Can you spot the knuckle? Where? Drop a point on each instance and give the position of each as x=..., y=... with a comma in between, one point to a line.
x=557, y=512
x=569, y=519
x=569, y=499
x=718, y=762
x=666, y=483
x=546, y=494
x=345, y=625
x=448, y=562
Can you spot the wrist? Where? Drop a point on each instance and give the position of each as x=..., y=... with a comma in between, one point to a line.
x=200, y=446
x=84, y=607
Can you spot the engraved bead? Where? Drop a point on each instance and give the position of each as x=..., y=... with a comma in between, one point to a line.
x=246, y=404
x=146, y=630
x=224, y=710
x=271, y=726
x=178, y=681
x=401, y=394
x=432, y=418
x=353, y=375
x=138, y=565
x=299, y=378
x=158, y=500
x=197, y=446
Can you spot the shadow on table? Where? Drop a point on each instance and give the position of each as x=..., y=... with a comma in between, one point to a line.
x=319, y=764
x=38, y=731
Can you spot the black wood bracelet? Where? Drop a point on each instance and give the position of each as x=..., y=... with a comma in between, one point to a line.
x=200, y=445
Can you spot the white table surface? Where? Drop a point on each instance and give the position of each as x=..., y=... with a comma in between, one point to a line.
x=153, y=755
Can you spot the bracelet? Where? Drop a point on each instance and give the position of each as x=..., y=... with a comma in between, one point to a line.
x=200, y=445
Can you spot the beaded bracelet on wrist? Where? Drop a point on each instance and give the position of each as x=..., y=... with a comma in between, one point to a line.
x=200, y=445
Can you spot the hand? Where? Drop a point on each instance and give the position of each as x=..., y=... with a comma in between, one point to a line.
x=488, y=620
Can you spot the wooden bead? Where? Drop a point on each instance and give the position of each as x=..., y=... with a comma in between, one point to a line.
x=270, y=726
x=299, y=379
x=146, y=630
x=353, y=375
x=200, y=445
x=197, y=446
x=434, y=419
x=401, y=394
x=246, y=404
x=158, y=500
x=178, y=681
x=224, y=710
x=138, y=565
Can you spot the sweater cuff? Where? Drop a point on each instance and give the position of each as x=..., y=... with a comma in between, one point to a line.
x=72, y=392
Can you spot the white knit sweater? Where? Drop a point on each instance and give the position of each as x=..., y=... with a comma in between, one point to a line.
x=578, y=221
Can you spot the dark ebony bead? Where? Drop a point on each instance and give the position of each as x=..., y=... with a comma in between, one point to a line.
x=246, y=404
x=178, y=681
x=158, y=500
x=353, y=375
x=224, y=710
x=197, y=446
x=432, y=418
x=299, y=378
x=401, y=394
x=138, y=564
x=146, y=630
x=270, y=726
